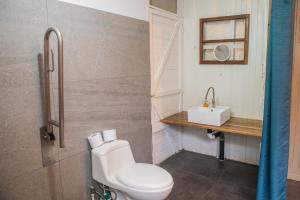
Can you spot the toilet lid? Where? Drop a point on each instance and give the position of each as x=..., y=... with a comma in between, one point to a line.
x=144, y=176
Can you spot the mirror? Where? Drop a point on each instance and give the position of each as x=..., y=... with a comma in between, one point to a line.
x=222, y=52
x=227, y=34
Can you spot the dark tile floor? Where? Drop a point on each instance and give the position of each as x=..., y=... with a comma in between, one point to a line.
x=201, y=177
x=293, y=190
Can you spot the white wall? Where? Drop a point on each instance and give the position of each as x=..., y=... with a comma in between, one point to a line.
x=239, y=86
x=131, y=8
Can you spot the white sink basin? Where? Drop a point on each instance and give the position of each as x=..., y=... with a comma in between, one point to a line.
x=210, y=116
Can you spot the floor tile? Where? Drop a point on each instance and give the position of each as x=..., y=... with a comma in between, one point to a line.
x=202, y=177
x=293, y=190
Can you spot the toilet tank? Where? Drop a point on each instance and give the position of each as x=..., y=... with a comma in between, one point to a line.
x=109, y=158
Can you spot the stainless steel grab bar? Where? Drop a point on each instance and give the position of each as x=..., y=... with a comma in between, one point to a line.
x=50, y=122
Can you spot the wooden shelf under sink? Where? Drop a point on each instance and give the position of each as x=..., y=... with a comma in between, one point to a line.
x=239, y=126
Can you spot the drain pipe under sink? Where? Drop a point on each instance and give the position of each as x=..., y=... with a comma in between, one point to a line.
x=211, y=134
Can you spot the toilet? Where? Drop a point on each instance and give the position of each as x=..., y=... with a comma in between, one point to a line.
x=113, y=165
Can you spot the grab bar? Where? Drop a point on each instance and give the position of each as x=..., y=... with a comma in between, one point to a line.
x=50, y=122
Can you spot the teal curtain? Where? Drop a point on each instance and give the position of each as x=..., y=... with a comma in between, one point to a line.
x=272, y=180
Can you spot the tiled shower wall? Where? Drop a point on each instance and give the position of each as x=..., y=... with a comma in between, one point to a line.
x=107, y=85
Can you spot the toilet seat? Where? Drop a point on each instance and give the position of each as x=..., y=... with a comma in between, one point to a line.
x=145, y=177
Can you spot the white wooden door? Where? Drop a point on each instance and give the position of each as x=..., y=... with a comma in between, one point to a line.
x=166, y=83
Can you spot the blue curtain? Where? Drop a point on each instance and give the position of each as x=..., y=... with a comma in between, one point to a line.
x=272, y=180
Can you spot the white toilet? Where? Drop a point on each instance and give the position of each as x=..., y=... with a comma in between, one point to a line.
x=113, y=165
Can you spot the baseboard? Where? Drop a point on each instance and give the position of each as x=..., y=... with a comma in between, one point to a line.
x=295, y=177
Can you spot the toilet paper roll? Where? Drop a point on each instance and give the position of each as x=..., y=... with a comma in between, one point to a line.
x=95, y=140
x=109, y=135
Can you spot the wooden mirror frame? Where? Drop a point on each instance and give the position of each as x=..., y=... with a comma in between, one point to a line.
x=245, y=40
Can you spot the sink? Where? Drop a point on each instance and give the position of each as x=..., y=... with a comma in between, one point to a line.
x=208, y=115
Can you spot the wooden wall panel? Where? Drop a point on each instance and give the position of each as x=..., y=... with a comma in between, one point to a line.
x=294, y=159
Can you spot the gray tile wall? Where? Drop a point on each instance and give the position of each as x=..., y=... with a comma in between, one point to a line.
x=169, y=5
x=107, y=85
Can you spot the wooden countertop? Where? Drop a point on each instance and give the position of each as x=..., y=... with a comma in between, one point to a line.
x=235, y=125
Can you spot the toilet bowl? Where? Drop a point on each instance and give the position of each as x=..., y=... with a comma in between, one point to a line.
x=113, y=165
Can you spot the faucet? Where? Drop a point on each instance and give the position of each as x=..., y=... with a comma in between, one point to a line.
x=213, y=101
